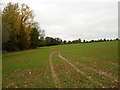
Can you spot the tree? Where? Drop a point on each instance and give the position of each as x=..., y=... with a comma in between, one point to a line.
x=104, y=39
x=6, y=29
x=17, y=26
x=9, y=26
x=79, y=40
x=42, y=38
x=64, y=42
x=34, y=38
x=25, y=22
x=58, y=41
x=42, y=34
x=48, y=41
x=83, y=41
x=69, y=42
x=92, y=41
x=116, y=39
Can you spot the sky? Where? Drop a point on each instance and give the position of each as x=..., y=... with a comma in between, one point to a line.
x=73, y=19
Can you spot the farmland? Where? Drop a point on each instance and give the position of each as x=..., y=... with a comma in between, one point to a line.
x=85, y=65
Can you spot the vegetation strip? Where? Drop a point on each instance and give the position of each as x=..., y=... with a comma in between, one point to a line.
x=55, y=78
x=89, y=77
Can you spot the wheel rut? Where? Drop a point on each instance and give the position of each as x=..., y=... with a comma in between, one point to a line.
x=55, y=78
x=75, y=68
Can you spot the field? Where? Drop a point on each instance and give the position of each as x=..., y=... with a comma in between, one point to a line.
x=88, y=65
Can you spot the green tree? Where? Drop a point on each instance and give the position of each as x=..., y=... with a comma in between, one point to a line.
x=9, y=22
x=65, y=42
x=34, y=38
x=79, y=40
x=84, y=41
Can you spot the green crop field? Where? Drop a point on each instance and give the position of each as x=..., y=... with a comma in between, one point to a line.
x=85, y=65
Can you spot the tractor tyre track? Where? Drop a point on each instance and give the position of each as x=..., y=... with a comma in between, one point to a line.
x=83, y=73
x=100, y=72
x=55, y=78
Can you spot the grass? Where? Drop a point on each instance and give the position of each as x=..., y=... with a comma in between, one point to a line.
x=31, y=69
x=14, y=65
x=103, y=55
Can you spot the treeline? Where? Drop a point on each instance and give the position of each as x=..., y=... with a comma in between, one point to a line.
x=100, y=40
x=85, y=41
x=19, y=30
x=49, y=41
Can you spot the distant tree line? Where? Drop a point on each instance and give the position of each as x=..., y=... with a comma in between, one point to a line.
x=100, y=40
x=49, y=41
x=85, y=41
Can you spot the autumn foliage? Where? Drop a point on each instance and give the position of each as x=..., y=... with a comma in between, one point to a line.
x=18, y=28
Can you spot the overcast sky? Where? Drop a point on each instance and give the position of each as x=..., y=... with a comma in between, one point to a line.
x=73, y=19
